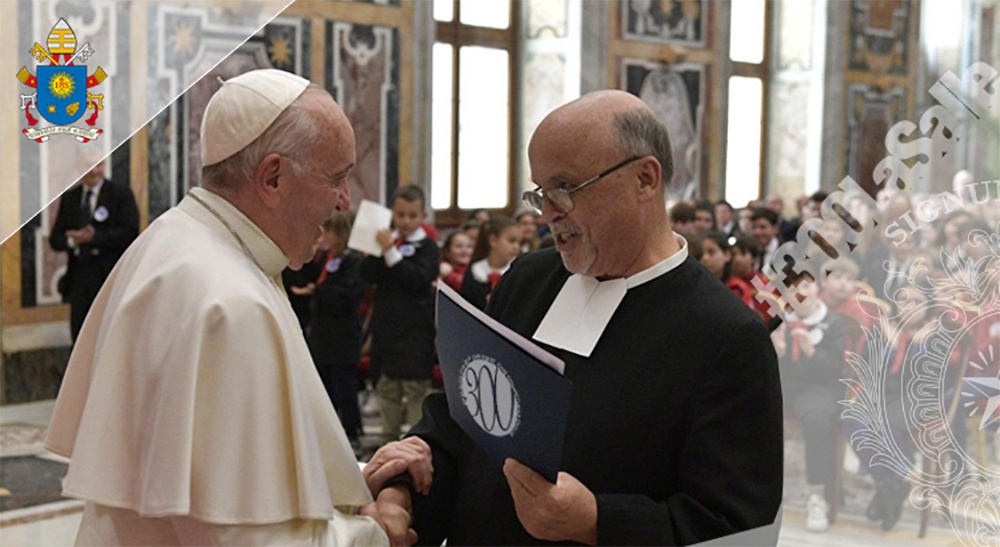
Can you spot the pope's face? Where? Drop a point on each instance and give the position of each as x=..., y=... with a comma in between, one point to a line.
x=323, y=188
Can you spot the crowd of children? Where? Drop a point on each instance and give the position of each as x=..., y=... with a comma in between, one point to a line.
x=860, y=296
x=876, y=294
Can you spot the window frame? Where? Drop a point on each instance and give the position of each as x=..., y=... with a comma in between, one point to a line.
x=458, y=35
x=763, y=72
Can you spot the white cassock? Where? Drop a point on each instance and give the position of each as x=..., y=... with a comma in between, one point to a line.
x=191, y=409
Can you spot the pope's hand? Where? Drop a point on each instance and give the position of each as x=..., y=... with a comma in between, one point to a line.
x=411, y=454
x=566, y=510
x=392, y=511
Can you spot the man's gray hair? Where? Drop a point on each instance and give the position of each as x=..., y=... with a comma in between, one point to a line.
x=289, y=135
x=639, y=133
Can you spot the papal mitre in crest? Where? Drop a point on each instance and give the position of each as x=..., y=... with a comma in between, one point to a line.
x=62, y=41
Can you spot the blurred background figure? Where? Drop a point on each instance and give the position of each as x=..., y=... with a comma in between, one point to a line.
x=97, y=221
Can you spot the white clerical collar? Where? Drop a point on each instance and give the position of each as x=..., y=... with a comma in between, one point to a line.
x=416, y=235
x=481, y=270
x=813, y=318
x=584, y=306
x=264, y=251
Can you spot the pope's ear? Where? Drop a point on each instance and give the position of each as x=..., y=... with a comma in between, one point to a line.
x=267, y=179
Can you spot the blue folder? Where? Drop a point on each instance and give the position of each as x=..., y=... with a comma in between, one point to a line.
x=503, y=390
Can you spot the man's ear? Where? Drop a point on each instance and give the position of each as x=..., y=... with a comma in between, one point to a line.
x=267, y=179
x=650, y=179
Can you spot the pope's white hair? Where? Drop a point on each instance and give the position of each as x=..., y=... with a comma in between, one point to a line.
x=290, y=136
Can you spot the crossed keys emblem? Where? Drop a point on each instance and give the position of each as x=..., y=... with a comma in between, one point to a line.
x=62, y=87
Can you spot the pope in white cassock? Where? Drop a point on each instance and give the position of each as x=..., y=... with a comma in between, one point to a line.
x=191, y=410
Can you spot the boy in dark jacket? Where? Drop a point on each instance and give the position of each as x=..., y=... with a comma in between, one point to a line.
x=403, y=319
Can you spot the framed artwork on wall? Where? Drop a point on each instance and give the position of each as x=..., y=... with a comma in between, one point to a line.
x=664, y=21
x=676, y=93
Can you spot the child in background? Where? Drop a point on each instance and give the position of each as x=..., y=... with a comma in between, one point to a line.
x=299, y=284
x=746, y=255
x=840, y=292
x=335, y=333
x=907, y=345
x=402, y=350
x=529, y=231
x=717, y=258
x=498, y=245
x=455, y=257
x=471, y=228
x=811, y=349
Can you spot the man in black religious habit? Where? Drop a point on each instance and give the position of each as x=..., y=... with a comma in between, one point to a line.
x=674, y=433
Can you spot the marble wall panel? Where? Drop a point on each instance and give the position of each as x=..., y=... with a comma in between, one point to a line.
x=32, y=375
x=174, y=155
x=870, y=113
x=362, y=73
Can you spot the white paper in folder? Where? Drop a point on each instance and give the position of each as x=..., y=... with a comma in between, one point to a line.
x=371, y=218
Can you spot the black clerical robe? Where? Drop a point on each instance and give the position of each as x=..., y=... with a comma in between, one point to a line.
x=675, y=422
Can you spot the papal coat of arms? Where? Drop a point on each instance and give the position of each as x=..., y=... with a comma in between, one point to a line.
x=62, y=93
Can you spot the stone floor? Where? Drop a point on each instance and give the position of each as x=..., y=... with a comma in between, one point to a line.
x=33, y=513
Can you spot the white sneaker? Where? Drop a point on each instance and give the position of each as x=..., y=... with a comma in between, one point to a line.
x=816, y=520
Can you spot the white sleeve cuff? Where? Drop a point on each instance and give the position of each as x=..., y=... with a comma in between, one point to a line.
x=393, y=257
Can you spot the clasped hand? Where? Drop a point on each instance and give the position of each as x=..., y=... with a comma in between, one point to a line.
x=82, y=236
x=392, y=508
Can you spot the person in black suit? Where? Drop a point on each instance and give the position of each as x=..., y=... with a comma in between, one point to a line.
x=96, y=222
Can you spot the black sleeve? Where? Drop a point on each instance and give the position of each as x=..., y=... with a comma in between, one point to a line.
x=57, y=238
x=730, y=466
x=432, y=513
x=123, y=226
x=416, y=273
x=372, y=268
x=473, y=290
x=341, y=290
x=828, y=362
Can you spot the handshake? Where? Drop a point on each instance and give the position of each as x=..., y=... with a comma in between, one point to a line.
x=393, y=508
x=560, y=511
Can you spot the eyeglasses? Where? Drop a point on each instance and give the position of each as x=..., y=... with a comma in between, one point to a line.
x=560, y=197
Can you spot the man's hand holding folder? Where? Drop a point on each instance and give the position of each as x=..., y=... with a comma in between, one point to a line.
x=566, y=510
